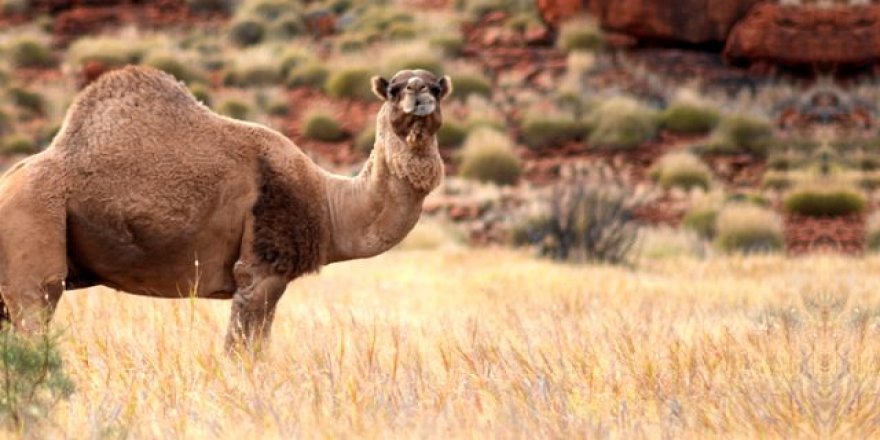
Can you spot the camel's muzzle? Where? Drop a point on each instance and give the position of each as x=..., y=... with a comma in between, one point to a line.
x=422, y=104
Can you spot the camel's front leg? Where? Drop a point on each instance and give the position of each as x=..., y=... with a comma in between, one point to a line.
x=253, y=308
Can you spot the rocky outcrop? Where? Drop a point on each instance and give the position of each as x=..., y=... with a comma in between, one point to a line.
x=685, y=21
x=791, y=35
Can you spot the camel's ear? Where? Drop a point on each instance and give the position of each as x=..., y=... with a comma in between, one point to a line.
x=444, y=85
x=380, y=87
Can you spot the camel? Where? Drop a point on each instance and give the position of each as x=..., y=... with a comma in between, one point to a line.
x=147, y=191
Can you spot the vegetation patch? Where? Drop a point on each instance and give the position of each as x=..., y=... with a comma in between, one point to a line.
x=580, y=34
x=351, y=82
x=690, y=118
x=742, y=133
x=31, y=52
x=622, y=123
x=549, y=131
x=682, y=170
x=235, y=109
x=814, y=201
x=747, y=228
x=488, y=156
x=321, y=126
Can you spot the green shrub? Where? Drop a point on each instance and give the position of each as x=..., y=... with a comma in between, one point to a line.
x=870, y=181
x=351, y=83
x=5, y=123
x=580, y=34
x=622, y=123
x=402, y=31
x=743, y=133
x=866, y=161
x=465, y=85
x=349, y=43
x=776, y=180
x=366, y=139
x=682, y=170
x=278, y=107
x=451, y=134
x=819, y=202
x=702, y=221
x=783, y=162
x=288, y=26
x=173, y=65
x=293, y=58
x=247, y=31
x=16, y=7
x=689, y=118
x=312, y=74
x=30, y=52
x=209, y=6
x=269, y=9
x=450, y=44
x=748, y=229
x=202, y=93
x=548, y=131
x=234, y=108
x=19, y=144
x=34, y=380
x=488, y=156
x=105, y=50
x=29, y=101
x=323, y=127
x=254, y=75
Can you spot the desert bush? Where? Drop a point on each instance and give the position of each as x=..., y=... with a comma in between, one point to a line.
x=254, y=67
x=402, y=31
x=289, y=25
x=31, y=52
x=201, y=92
x=27, y=100
x=689, y=118
x=173, y=65
x=321, y=126
x=33, y=378
x=18, y=144
x=682, y=170
x=815, y=201
x=478, y=8
x=870, y=181
x=488, y=156
x=16, y=7
x=776, y=180
x=247, y=31
x=742, y=133
x=365, y=139
x=349, y=82
x=450, y=43
x=467, y=84
x=107, y=50
x=209, y=6
x=311, y=74
x=548, y=131
x=622, y=123
x=451, y=134
x=586, y=221
x=234, y=108
x=292, y=58
x=278, y=107
x=866, y=161
x=702, y=219
x=580, y=34
x=783, y=161
x=747, y=228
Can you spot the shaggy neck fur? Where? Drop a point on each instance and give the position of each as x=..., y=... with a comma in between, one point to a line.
x=375, y=210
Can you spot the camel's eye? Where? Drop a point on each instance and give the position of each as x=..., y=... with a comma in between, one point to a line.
x=435, y=90
x=394, y=90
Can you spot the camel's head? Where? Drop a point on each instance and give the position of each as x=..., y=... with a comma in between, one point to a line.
x=414, y=98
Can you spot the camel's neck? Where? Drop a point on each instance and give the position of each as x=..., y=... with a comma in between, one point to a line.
x=372, y=212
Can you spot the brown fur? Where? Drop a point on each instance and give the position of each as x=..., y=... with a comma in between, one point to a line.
x=147, y=191
x=288, y=231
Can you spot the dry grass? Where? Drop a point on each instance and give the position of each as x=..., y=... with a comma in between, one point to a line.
x=487, y=344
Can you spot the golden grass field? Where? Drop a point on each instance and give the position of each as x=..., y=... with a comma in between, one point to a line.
x=493, y=343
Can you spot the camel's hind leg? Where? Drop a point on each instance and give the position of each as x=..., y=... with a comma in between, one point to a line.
x=33, y=259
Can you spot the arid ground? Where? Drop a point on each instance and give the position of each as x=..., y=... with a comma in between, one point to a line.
x=452, y=343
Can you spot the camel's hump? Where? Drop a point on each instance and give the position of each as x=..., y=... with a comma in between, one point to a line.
x=151, y=84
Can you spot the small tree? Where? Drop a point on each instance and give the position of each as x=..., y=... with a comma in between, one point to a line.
x=33, y=379
x=589, y=218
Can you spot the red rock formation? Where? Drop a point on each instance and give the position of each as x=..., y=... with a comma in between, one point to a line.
x=687, y=21
x=799, y=35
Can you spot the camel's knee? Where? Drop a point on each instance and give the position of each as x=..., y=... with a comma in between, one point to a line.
x=29, y=309
x=253, y=310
